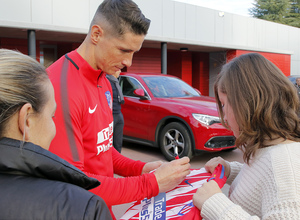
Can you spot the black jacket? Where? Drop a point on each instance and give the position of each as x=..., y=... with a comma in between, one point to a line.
x=36, y=184
x=118, y=97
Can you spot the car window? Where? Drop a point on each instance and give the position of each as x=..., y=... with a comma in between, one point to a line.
x=169, y=87
x=128, y=85
x=293, y=78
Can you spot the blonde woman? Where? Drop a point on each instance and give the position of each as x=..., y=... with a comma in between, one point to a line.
x=34, y=183
x=260, y=105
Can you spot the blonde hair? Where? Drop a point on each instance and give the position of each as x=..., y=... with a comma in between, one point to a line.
x=264, y=102
x=21, y=80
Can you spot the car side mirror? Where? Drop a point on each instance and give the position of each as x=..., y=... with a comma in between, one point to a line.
x=198, y=91
x=140, y=93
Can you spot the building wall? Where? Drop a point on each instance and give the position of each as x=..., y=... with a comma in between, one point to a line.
x=51, y=14
x=147, y=60
x=191, y=67
x=216, y=60
x=198, y=69
x=19, y=45
x=282, y=61
x=178, y=22
x=22, y=46
x=171, y=22
x=200, y=75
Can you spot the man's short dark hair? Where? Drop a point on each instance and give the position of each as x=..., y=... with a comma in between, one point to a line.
x=120, y=16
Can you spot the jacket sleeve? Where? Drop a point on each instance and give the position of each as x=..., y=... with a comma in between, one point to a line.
x=235, y=168
x=220, y=207
x=97, y=209
x=124, y=166
x=117, y=191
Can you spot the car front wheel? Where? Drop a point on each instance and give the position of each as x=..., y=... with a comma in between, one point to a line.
x=173, y=135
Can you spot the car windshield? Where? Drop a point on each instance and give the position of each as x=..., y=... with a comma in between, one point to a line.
x=169, y=87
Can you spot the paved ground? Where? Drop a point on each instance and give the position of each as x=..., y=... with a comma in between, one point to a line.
x=147, y=154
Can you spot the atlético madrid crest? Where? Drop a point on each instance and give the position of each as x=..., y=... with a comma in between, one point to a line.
x=109, y=99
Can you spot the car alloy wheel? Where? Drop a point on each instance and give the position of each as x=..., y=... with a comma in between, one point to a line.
x=173, y=135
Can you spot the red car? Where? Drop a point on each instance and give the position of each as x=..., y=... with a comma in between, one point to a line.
x=163, y=111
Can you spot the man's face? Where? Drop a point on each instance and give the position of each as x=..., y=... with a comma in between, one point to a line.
x=114, y=53
x=298, y=81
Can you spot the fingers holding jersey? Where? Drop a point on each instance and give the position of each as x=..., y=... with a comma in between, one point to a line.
x=211, y=165
x=170, y=174
x=219, y=176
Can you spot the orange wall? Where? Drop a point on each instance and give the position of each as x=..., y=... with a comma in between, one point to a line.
x=282, y=61
x=201, y=72
x=186, y=67
x=180, y=65
x=191, y=67
x=174, y=63
x=147, y=60
x=19, y=45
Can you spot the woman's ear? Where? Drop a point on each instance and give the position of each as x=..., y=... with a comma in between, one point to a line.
x=24, y=120
x=96, y=33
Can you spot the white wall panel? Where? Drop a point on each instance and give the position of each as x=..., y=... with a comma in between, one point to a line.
x=259, y=34
x=180, y=20
x=219, y=27
x=295, y=67
x=15, y=10
x=168, y=13
x=251, y=33
x=94, y=4
x=190, y=22
x=239, y=30
x=282, y=37
x=205, y=26
x=152, y=9
x=296, y=49
x=71, y=13
x=227, y=28
x=293, y=40
x=271, y=35
x=42, y=11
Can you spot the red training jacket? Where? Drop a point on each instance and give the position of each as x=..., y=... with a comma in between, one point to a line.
x=84, y=125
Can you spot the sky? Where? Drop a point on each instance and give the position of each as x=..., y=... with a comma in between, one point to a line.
x=239, y=7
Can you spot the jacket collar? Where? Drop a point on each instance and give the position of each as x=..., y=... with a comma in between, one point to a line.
x=25, y=158
x=84, y=67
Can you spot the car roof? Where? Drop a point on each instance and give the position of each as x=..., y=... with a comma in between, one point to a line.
x=293, y=78
x=147, y=74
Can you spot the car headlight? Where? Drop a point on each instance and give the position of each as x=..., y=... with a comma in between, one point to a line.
x=206, y=119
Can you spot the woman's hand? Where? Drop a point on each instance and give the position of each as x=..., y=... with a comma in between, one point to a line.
x=204, y=192
x=213, y=163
